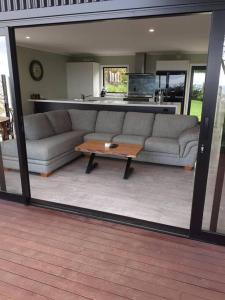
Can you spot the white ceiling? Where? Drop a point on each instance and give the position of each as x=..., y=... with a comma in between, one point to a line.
x=187, y=34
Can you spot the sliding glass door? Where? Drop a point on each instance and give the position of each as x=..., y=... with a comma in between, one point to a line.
x=214, y=211
x=177, y=184
x=208, y=211
x=11, y=128
x=7, y=132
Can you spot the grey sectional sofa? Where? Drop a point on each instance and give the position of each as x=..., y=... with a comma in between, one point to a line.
x=52, y=136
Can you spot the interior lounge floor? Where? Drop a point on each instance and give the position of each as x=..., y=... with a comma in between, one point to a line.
x=153, y=192
x=52, y=255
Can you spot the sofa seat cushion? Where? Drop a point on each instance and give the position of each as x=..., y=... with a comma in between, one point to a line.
x=98, y=136
x=37, y=126
x=110, y=122
x=9, y=148
x=162, y=145
x=60, y=120
x=84, y=120
x=129, y=139
x=171, y=126
x=137, y=123
x=46, y=149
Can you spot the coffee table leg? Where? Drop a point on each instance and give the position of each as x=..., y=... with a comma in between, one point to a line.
x=128, y=170
x=91, y=165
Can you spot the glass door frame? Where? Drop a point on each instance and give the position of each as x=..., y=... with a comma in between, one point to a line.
x=9, y=35
x=215, y=52
x=202, y=167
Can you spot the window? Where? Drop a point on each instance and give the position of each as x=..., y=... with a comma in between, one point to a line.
x=115, y=79
x=197, y=86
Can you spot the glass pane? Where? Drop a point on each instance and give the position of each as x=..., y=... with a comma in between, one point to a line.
x=9, y=180
x=115, y=80
x=160, y=189
x=176, y=80
x=214, y=214
x=162, y=82
x=176, y=84
x=198, y=85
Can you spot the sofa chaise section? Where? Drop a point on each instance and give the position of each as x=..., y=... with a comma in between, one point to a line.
x=44, y=155
x=50, y=142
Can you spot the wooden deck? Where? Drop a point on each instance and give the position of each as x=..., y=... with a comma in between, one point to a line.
x=51, y=255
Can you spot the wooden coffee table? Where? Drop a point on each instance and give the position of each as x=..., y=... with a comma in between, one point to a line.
x=128, y=151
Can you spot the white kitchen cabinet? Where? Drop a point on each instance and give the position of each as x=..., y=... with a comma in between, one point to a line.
x=82, y=78
x=172, y=65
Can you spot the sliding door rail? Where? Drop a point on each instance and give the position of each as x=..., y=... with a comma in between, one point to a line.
x=123, y=220
x=100, y=215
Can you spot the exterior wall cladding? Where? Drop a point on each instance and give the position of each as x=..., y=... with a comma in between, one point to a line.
x=14, y=5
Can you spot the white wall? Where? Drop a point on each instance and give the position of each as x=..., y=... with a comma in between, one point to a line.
x=53, y=84
x=118, y=60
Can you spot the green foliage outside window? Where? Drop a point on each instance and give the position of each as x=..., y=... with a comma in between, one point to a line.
x=115, y=79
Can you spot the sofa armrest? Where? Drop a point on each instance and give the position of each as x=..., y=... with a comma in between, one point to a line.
x=187, y=136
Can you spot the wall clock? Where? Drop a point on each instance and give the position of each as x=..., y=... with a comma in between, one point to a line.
x=36, y=70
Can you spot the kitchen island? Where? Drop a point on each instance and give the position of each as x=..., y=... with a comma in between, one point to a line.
x=106, y=103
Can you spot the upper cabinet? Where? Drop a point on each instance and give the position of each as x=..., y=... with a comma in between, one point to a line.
x=172, y=65
x=83, y=78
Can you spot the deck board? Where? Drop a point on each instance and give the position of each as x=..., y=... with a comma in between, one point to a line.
x=46, y=254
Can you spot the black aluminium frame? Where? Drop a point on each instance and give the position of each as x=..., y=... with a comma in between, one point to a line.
x=215, y=54
x=9, y=35
x=113, y=10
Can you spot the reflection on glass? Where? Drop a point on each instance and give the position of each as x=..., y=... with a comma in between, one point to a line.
x=9, y=180
x=160, y=82
x=176, y=81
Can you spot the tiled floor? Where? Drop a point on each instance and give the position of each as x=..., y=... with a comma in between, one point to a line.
x=153, y=192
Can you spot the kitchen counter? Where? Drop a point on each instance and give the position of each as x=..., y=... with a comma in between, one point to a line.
x=105, y=103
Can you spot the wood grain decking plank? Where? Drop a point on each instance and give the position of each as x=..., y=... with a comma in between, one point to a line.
x=137, y=260
x=52, y=255
x=200, y=247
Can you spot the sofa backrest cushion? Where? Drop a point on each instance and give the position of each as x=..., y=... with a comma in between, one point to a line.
x=138, y=123
x=171, y=126
x=109, y=122
x=83, y=119
x=37, y=127
x=60, y=120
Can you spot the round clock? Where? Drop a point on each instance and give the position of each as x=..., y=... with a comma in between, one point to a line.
x=36, y=70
